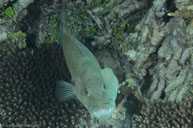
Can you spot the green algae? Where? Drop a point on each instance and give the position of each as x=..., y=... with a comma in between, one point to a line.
x=20, y=39
x=9, y=13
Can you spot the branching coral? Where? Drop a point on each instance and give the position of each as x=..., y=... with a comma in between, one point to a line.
x=27, y=82
x=164, y=114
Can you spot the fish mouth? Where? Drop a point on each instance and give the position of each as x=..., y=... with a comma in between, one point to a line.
x=103, y=112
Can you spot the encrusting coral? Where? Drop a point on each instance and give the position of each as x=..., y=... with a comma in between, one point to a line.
x=165, y=114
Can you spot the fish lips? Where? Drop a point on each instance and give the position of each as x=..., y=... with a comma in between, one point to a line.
x=103, y=112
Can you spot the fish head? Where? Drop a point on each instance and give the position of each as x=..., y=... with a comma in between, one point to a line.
x=109, y=94
x=98, y=94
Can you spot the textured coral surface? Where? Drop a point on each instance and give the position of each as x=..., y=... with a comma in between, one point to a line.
x=164, y=114
x=27, y=82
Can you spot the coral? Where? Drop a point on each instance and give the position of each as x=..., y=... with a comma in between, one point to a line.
x=20, y=38
x=164, y=114
x=183, y=13
x=16, y=10
x=4, y=3
x=14, y=42
x=27, y=82
x=3, y=36
x=107, y=6
x=154, y=53
x=48, y=23
x=180, y=4
x=12, y=37
x=186, y=12
x=146, y=37
x=86, y=24
x=97, y=22
x=160, y=54
x=172, y=75
x=120, y=111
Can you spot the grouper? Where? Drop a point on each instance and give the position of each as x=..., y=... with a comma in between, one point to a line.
x=94, y=87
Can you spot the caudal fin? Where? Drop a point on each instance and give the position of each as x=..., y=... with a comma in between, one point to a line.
x=63, y=20
x=63, y=13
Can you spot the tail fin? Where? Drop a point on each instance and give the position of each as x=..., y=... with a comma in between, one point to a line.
x=63, y=13
x=63, y=19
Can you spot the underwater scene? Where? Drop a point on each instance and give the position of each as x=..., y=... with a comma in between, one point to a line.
x=96, y=63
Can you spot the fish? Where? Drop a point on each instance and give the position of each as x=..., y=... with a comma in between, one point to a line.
x=94, y=87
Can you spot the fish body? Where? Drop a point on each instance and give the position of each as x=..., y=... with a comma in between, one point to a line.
x=96, y=88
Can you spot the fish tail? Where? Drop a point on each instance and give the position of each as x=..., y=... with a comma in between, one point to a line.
x=63, y=20
x=63, y=13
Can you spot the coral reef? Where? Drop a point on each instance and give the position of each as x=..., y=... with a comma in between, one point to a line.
x=95, y=22
x=148, y=36
x=162, y=58
x=104, y=24
x=184, y=13
x=150, y=47
x=4, y=3
x=48, y=23
x=12, y=37
x=164, y=114
x=180, y=4
x=172, y=76
x=27, y=82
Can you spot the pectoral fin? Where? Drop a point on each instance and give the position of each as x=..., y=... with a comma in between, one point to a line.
x=64, y=91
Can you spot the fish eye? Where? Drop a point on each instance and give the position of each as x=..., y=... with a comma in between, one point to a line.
x=87, y=91
x=102, y=84
x=104, y=87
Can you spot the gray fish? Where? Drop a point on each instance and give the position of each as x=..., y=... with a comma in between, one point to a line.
x=96, y=88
